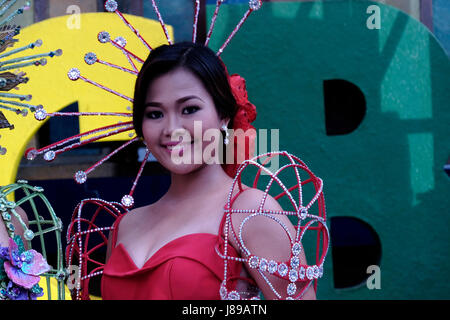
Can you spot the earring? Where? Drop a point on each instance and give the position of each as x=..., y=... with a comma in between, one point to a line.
x=226, y=141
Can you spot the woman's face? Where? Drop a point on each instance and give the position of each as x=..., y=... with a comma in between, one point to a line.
x=174, y=101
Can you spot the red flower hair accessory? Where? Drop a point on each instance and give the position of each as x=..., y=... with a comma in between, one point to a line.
x=245, y=115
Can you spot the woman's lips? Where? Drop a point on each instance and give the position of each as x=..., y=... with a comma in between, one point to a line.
x=176, y=147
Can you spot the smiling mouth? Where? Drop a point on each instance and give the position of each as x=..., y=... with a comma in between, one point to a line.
x=177, y=146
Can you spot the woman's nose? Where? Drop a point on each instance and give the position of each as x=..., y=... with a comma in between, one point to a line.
x=173, y=128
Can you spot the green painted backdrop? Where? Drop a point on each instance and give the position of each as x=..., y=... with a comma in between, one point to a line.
x=389, y=171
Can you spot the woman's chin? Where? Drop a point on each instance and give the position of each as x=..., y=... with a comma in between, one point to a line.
x=177, y=166
x=182, y=169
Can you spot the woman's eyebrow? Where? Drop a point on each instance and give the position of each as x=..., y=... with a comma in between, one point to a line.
x=181, y=100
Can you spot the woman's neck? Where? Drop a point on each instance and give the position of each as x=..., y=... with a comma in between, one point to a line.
x=199, y=183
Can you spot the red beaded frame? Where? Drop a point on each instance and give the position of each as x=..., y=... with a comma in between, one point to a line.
x=322, y=231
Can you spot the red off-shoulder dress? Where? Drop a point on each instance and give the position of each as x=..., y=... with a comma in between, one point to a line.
x=186, y=268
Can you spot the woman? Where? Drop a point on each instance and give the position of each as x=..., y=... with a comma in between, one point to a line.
x=166, y=250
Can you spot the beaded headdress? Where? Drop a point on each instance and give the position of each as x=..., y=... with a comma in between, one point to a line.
x=237, y=84
x=11, y=75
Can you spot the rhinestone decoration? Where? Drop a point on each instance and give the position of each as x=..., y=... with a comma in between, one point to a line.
x=28, y=234
x=111, y=5
x=90, y=58
x=3, y=151
x=234, y=295
x=6, y=216
x=254, y=4
x=103, y=37
x=291, y=288
x=121, y=41
x=303, y=213
x=296, y=249
x=320, y=271
x=310, y=273
x=223, y=292
x=283, y=269
x=295, y=262
x=49, y=155
x=80, y=177
x=38, y=189
x=301, y=273
x=32, y=154
x=293, y=275
x=263, y=265
x=59, y=224
x=40, y=114
x=272, y=268
x=127, y=201
x=61, y=275
x=253, y=262
x=316, y=272
x=24, y=112
x=10, y=226
x=73, y=74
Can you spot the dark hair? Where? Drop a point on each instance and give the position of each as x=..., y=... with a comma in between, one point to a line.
x=198, y=59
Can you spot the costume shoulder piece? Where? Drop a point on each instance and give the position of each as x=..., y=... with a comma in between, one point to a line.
x=304, y=196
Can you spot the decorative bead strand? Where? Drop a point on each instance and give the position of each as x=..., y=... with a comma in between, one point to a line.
x=32, y=153
x=236, y=29
x=98, y=163
x=197, y=11
x=213, y=21
x=166, y=32
x=78, y=114
x=105, y=88
x=136, y=32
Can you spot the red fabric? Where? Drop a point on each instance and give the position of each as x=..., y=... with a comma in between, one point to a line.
x=187, y=268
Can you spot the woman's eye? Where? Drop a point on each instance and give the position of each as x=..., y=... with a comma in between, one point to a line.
x=153, y=114
x=190, y=109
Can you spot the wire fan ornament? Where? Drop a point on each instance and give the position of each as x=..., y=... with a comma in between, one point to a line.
x=50, y=152
x=290, y=270
x=11, y=75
